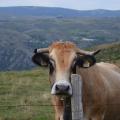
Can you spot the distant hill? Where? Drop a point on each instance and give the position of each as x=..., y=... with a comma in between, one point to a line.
x=22, y=29
x=109, y=53
x=57, y=12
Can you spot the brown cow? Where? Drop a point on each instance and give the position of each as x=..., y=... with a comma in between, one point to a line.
x=101, y=81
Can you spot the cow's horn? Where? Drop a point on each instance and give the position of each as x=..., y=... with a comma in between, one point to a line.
x=83, y=52
x=41, y=50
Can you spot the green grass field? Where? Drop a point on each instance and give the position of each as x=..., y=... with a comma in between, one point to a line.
x=109, y=53
x=23, y=94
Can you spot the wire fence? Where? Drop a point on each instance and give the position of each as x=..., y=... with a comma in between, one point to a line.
x=50, y=105
x=45, y=112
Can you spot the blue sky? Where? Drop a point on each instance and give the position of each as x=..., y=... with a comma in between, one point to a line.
x=74, y=4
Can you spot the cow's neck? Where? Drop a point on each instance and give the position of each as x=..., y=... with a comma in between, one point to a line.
x=91, y=78
x=92, y=86
x=89, y=74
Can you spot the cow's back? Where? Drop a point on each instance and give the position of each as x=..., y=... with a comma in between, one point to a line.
x=101, y=90
x=111, y=75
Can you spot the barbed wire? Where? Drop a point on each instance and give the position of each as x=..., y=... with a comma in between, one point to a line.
x=37, y=105
x=28, y=105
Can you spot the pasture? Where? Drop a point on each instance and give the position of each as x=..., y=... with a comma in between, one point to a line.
x=24, y=94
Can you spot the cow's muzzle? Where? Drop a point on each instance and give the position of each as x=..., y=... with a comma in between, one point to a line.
x=61, y=88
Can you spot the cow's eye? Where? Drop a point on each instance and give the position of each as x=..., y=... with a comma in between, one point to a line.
x=51, y=65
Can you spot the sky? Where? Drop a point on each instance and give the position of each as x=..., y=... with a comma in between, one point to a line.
x=73, y=4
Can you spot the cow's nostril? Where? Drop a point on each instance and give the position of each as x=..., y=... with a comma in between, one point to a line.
x=62, y=87
x=57, y=87
x=67, y=88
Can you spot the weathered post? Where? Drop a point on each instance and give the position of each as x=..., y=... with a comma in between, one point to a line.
x=76, y=100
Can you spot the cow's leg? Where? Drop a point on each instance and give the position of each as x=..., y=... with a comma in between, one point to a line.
x=58, y=106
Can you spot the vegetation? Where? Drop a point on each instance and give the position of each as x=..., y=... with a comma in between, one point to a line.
x=56, y=12
x=109, y=53
x=20, y=35
x=24, y=94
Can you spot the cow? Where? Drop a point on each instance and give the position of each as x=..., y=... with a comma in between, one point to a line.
x=101, y=81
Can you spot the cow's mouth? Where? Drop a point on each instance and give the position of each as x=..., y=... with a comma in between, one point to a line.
x=63, y=93
x=63, y=97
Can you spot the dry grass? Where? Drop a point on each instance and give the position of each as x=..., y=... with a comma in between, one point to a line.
x=22, y=93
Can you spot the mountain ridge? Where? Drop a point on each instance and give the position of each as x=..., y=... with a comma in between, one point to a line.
x=21, y=33
x=57, y=12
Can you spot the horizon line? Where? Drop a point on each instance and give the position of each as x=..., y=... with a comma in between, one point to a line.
x=59, y=7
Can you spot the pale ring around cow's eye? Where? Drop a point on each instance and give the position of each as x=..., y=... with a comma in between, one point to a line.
x=52, y=62
x=51, y=65
x=74, y=61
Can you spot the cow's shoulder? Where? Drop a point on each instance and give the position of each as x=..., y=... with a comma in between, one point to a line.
x=108, y=66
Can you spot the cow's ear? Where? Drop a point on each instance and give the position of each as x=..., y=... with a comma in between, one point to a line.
x=41, y=59
x=86, y=61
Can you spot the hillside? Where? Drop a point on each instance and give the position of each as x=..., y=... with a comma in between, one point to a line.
x=57, y=12
x=25, y=95
x=21, y=31
x=110, y=53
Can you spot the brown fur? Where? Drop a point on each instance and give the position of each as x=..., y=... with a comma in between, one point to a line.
x=62, y=45
x=101, y=91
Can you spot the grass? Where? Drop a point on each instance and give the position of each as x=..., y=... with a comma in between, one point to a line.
x=23, y=93
x=109, y=53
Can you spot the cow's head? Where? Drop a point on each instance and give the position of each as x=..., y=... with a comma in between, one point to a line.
x=62, y=58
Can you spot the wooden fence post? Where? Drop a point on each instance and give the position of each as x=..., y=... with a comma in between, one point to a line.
x=76, y=100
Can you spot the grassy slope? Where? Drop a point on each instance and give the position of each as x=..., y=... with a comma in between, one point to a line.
x=32, y=88
x=109, y=53
x=25, y=88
